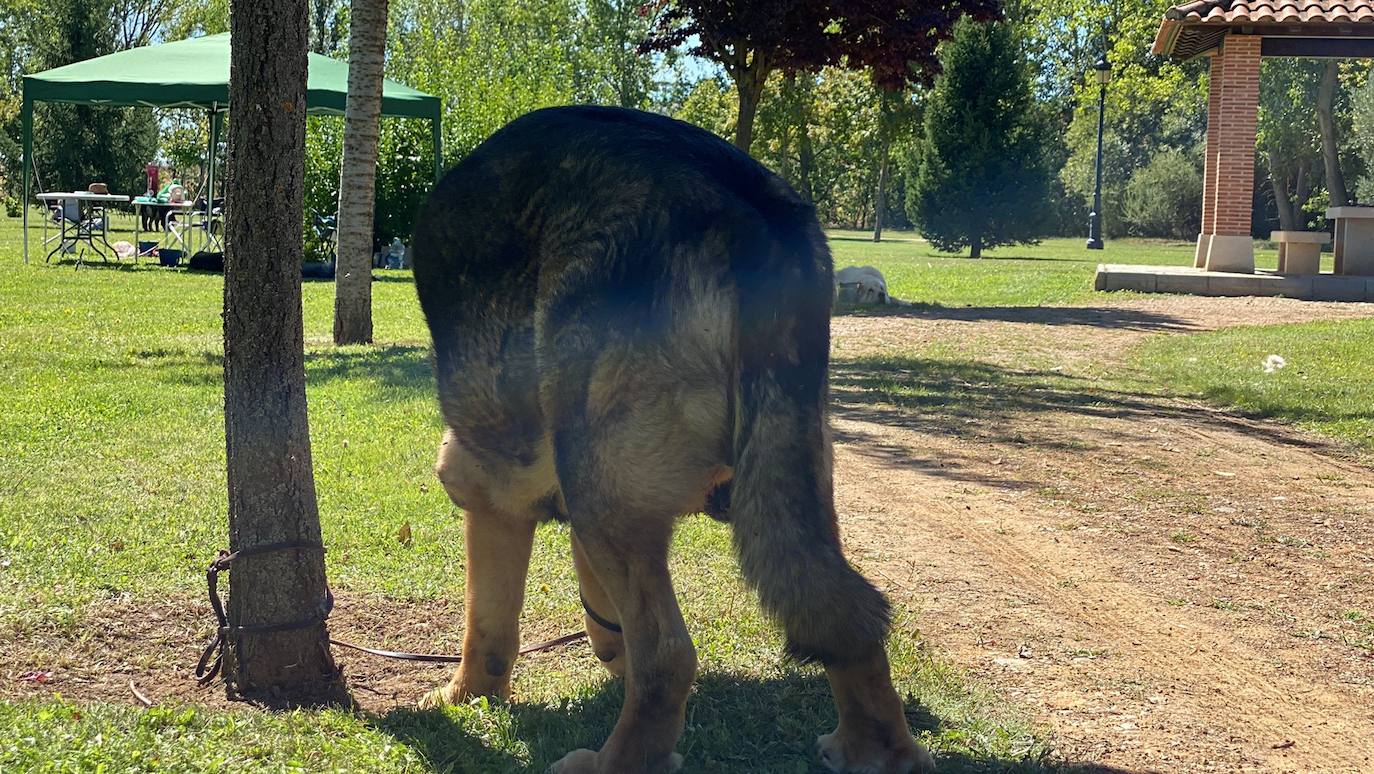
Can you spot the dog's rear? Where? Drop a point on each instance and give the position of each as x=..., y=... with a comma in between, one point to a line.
x=631, y=319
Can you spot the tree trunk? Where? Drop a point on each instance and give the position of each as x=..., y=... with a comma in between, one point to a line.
x=806, y=152
x=749, y=82
x=976, y=247
x=1331, y=147
x=1283, y=202
x=267, y=433
x=358, y=176
x=791, y=100
x=880, y=198
x=884, y=160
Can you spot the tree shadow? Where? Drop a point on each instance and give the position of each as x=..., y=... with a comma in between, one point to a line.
x=734, y=724
x=405, y=278
x=1115, y=318
x=393, y=370
x=977, y=399
x=91, y=261
x=899, y=239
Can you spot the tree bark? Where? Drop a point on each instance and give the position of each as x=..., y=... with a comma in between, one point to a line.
x=267, y=435
x=885, y=130
x=791, y=100
x=358, y=176
x=749, y=82
x=1283, y=203
x=880, y=198
x=1331, y=147
x=806, y=151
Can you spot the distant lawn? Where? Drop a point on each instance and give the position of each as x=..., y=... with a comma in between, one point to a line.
x=1056, y=271
x=1326, y=384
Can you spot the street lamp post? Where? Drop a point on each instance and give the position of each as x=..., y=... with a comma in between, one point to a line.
x=1102, y=71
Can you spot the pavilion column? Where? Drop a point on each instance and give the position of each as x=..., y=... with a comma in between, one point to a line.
x=1233, y=158
x=1209, y=176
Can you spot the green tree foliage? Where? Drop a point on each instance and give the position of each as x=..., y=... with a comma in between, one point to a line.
x=1164, y=197
x=894, y=40
x=75, y=145
x=1362, y=134
x=1152, y=103
x=1288, y=141
x=983, y=178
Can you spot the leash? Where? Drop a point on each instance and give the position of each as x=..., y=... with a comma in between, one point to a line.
x=212, y=657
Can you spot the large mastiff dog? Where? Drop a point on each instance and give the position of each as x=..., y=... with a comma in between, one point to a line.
x=631, y=322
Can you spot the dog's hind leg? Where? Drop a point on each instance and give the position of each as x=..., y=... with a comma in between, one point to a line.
x=660, y=659
x=498, y=547
x=608, y=642
x=498, y=558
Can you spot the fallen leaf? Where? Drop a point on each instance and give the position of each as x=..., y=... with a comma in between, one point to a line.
x=404, y=536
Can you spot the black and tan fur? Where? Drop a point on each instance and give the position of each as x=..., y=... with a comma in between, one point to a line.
x=631, y=323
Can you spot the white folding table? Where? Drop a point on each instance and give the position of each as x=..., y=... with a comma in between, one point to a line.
x=84, y=228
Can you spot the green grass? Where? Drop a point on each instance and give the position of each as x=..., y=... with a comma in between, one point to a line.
x=1326, y=384
x=112, y=488
x=1056, y=271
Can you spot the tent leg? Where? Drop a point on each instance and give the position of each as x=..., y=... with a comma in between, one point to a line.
x=27, y=166
x=210, y=178
x=438, y=138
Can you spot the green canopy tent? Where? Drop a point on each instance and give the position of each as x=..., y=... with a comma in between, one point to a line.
x=194, y=73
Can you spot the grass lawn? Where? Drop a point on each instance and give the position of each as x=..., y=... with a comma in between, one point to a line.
x=112, y=493
x=1326, y=383
x=1056, y=271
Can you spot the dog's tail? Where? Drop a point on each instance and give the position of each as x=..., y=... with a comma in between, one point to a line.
x=782, y=504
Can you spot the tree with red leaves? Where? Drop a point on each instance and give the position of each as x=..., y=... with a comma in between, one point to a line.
x=894, y=39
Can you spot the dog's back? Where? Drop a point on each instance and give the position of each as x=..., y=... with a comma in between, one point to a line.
x=627, y=314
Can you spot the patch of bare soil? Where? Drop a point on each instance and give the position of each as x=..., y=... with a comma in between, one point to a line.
x=155, y=647
x=1170, y=587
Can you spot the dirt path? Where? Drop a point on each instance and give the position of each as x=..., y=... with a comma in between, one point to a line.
x=1170, y=587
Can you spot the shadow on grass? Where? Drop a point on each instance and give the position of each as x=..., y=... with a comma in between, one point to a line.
x=980, y=400
x=1117, y=318
x=91, y=261
x=402, y=279
x=393, y=369
x=397, y=368
x=901, y=239
x=734, y=724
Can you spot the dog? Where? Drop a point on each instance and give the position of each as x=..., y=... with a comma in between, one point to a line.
x=861, y=285
x=631, y=323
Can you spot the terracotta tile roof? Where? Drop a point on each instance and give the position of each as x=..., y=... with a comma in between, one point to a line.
x=1194, y=27
x=1273, y=11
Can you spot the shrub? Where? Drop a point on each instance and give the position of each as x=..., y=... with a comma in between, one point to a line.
x=1164, y=197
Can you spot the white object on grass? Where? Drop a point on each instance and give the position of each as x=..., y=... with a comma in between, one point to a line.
x=861, y=285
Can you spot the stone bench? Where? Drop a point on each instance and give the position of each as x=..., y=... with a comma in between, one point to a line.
x=1300, y=252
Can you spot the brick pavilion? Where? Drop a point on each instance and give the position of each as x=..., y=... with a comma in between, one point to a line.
x=1235, y=35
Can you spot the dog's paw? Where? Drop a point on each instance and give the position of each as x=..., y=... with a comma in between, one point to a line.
x=588, y=762
x=856, y=756
x=575, y=762
x=436, y=699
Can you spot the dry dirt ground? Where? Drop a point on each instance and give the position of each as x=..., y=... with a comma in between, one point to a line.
x=1162, y=584
x=1165, y=585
